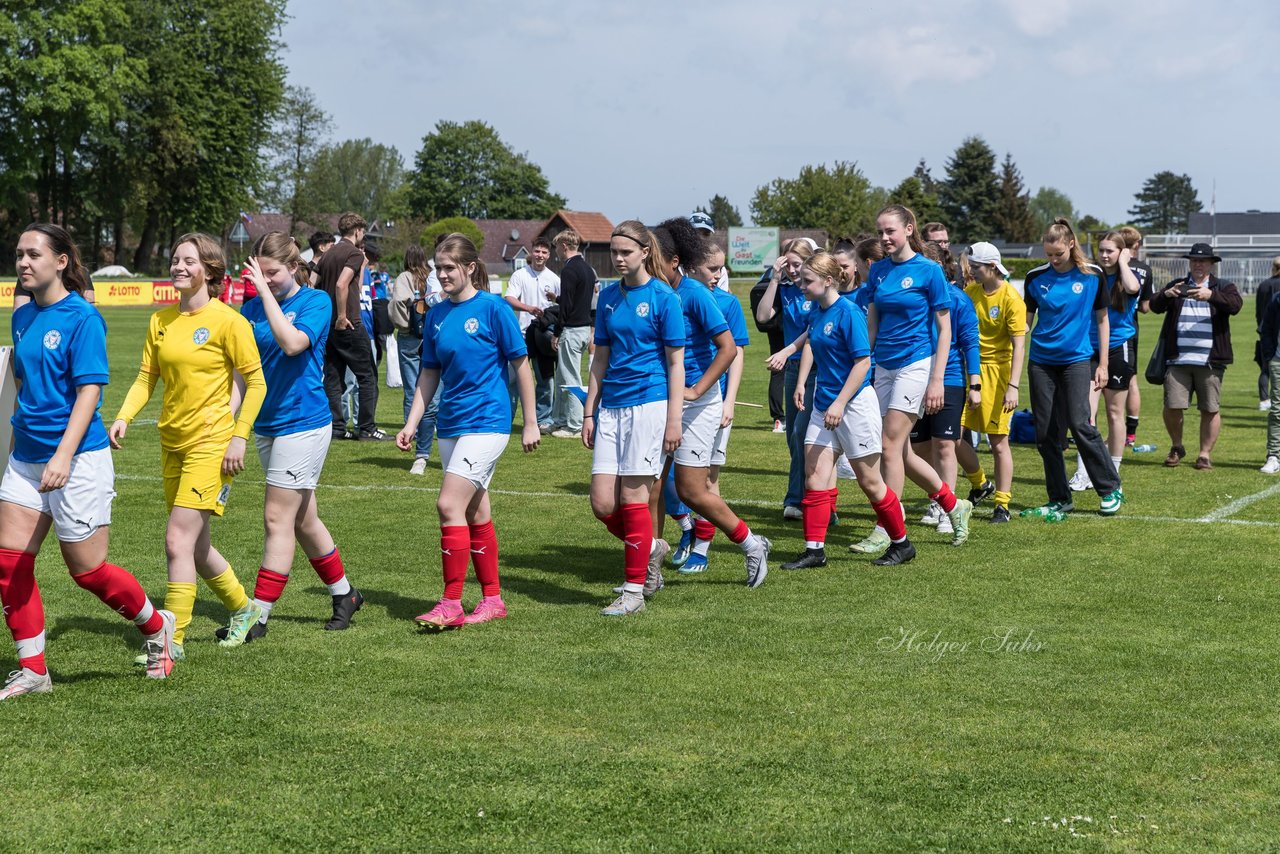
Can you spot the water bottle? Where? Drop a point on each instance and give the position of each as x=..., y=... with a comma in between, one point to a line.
x=1144, y=449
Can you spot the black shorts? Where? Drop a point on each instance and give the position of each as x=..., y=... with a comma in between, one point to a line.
x=945, y=423
x=1122, y=364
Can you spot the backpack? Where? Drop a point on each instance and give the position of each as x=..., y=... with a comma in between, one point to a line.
x=1022, y=428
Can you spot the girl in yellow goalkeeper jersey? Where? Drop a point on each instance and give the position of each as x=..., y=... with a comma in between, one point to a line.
x=196, y=348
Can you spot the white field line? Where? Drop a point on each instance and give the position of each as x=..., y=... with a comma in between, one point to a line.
x=1239, y=504
x=1212, y=518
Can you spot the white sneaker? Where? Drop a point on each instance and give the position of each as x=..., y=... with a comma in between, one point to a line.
x=159, y=649
x=777, y=427
x=1264, y=406
x=565, y=433
x=419, y=466
x=24, y=681
x=792, y=514
x=844, y=471
x=1272, y=466
x=625, y=605
x=932, y=516
x=1080, y=482
x=944, y=525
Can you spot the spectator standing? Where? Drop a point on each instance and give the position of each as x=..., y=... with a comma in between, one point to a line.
x=1197, y=349
x=572, y=334
x=705, y=226
x=320, y=243
x=1267, y=290
x=1268, y=330
x=411, y=297
x=532, y=289
x=936, y=232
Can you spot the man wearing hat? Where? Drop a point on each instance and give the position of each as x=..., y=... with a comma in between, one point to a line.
x=1197, y=349
x=701, y=221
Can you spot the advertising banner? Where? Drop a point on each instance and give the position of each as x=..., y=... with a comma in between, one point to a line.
x=752, y=249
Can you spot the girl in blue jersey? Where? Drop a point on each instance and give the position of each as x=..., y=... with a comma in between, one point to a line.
x=844, y=419
x=784, y=295
x=1067, y=296
x=708, y=352
x=909, y=320
x=292, y=432
x=60, y=473
x=632, y=415
x=1123, y=295
x=469, y=340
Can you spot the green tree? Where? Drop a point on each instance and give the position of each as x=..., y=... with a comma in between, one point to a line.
x=467, y=170
x=449, y=225
x=927, y=182
x=1013, y=218
x=839, y=199
x=911, y=193
x=297, y=136
x=356, y=175
x=1165, y=203
x=970, y=195
x=722, y=212
x=1049, y=203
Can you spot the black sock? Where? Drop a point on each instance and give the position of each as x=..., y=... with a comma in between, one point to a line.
x=1131, y=425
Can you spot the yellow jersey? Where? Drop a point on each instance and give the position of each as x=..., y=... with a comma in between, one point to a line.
x=195, y=354
x=1001, y=316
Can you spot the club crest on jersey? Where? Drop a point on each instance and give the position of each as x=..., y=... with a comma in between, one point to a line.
x=1077, y=287
x=994, y=312
x=808, y=305
x=908, y=282
x=826, y=330
x=52, y=339
x=642, y=310
x=201, y=336
x=472, y=326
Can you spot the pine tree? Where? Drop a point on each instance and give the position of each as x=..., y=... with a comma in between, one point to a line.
x=722, y=212
x=912, y=193
x=970, y=196
x=1013, y=219
x=1165, y=203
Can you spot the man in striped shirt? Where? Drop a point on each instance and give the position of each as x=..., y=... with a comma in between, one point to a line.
x=1197, y=348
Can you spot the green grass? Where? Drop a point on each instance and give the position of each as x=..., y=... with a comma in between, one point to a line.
x=722, y=718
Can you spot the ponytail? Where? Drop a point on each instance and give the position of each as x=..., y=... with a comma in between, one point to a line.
x=75, y=277
x=460, y=248
x=908, y=218
x=1061, y=232
x=634, y=229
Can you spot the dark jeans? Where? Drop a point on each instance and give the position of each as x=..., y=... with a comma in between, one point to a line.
x=1060, y=394
x=409, y=348
x=796, y=423
x=349, y=349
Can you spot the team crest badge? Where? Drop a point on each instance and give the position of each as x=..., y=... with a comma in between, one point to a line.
x=994, y=312
x=290, y=316
x=808, y=304
x=1077, y=287
x=201, y=336
x=908, y=282
x=52, y=339
x=826, y=330
x=642, y=310
x=472, y=326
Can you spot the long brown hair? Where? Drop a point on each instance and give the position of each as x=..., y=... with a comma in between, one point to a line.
x=74, y=276
x=209, y=251
x=463, y=252
x=1117, y=295
x=908, y=218
x=415, y=264
x=634, y=229
x=1060, y=231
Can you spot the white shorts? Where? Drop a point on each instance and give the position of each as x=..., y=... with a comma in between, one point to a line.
x=78, y=509
x=903, y=388
x=698, y=426
x=473, y=456
x=628, y=440
x=859, y=432
x=720, y=451
x=294, y=461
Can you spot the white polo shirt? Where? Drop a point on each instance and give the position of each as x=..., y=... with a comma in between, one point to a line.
x=530, y=287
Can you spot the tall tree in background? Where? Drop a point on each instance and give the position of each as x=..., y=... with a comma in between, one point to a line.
x=1165, y=203
x=928, y=183
x=722, y=212
x=1013, y=219
x=839, y=199
x=970, y=196
x=467, y=170
x=356, y=175
x=912, y=193
x=300, y=130
x=1049, y=203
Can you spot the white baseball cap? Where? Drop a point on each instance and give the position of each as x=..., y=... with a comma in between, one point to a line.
x=985, y=253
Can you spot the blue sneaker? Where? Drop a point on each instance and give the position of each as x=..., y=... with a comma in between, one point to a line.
x=695, y=564
x=682, y=552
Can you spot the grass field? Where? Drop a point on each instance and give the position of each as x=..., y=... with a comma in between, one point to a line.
x=1101, y=684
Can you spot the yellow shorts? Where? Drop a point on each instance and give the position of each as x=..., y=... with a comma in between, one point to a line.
x=990, y=417
x=193, y=478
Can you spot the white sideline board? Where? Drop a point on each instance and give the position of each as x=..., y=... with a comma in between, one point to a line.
x=8, y=402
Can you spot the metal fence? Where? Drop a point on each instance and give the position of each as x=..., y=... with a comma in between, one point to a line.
x=1245, y=272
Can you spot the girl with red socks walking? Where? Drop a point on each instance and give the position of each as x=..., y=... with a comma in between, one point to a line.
x=468, y=341
x=60, y=472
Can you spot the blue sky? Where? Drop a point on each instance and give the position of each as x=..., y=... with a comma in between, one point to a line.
x=647, y=109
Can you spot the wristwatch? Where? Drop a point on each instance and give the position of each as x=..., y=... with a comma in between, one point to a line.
x=975, y=386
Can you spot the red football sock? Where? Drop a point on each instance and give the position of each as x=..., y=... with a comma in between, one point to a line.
x=484, y=556
x=329, y=567
x=455, y=549
x=816, y=506
x=122, y=593
x=637, y=541
x=834, y=495
x=23, y=608
x=270, y=585
x=704, y=530
x=890, y=516
x=613, y=522
x=946, y=498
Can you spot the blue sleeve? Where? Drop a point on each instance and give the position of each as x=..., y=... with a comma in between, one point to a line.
x=708, y=314
x=939, y=296
x=602, y=332
x=671, y=322
x=314, y=319
x=737, y=323
x=429, y=357
x=967, y=333
x=89, y=351
x=510, y=341
x=14, y=322
x=856, y=330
